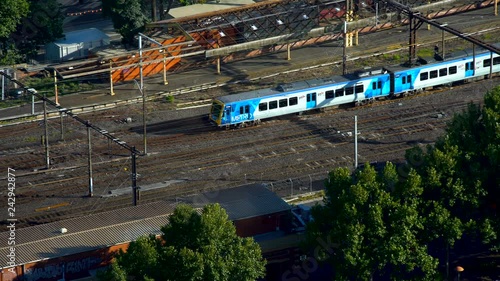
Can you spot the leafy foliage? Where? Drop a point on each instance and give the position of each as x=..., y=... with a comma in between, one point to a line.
x=191, y=2
x=114, y=273
x=374, y=220
x=193, y=247
x=9, y=55
x=43, y=24
x=381, y=223
x=38, y=25
x=128, y=17
x=11, y=13
x=462, y=171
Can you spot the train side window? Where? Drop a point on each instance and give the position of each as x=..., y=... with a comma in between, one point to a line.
x=487, y=63
x=359, y=88
x=273, y=104
x=452, y=70
x=379, y=84
x=433, y=74
x=424, y=76
x=247, y=109
x=263, y=106
x=283, y=103
x=339, y=93
x=404, y=80
x=293, y=101
x=241, y=110
x=496, y=60
x=443, y=72
x=349, y=91
x=313, y=96
x=408, y=79
x=308, y=98
x=329, y=94
x=374, y=85
x=468, y=66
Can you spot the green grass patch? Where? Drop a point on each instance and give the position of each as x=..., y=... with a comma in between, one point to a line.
x=169, y=99
x=425, y=52
x=11, y=103
x=63, y=87
x=30, y=139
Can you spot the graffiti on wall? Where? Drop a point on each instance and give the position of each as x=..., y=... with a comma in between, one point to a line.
x=51, y=271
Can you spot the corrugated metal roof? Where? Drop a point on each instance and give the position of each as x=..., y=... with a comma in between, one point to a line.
x=288, y=88
x=86, y=233
x=79, y=36
x=243, y=202
x=123, y=225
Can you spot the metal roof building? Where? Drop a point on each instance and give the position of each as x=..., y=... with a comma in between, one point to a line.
x=243, y=202
x=76, y=45
x=87, y=233
x=77, y=246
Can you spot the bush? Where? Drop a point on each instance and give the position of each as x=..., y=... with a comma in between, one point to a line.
x=169, y=99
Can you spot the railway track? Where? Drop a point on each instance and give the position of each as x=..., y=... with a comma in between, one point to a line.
x=305, y=145
x=190, y=150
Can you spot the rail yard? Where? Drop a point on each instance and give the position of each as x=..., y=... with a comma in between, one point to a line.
x=186, y=154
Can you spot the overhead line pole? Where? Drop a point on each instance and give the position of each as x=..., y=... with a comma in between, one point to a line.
x=46, y=133
x=441, y=26
x=72, y=115
x=89, y=126
x=141, y=87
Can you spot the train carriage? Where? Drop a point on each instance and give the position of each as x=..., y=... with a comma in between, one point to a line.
x=251, y=107
x=457, y=66
x=359, y=87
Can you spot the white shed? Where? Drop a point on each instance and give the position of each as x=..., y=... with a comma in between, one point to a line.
x=75, y=45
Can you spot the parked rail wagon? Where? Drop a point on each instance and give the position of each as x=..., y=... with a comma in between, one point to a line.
x=361, y=87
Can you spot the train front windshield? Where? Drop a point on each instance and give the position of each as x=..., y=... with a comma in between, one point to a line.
x=216, y=112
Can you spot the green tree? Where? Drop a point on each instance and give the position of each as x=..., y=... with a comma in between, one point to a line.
x=114, y=273
x=9, y=55
x=141, y=258
x=128, y=16
x=11, y=13
x=374, y=222
x=42, y=25
x=462, y=173
x=194, y=246
x=45, y=21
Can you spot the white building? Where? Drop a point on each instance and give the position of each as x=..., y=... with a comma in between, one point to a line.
x=75, y=45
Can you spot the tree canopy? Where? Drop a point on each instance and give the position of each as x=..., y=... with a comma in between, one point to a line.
x=128, y=16
x=462, y=170
x=374, y=221
x=11, y=14
x=381, y=223
x=193, y=246
x=37, y=22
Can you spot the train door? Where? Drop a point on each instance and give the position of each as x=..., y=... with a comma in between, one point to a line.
x=226, y=117
x=311, y=100
x=244, y=113
x=469, y=69
x=406, y=82
x=376, y=88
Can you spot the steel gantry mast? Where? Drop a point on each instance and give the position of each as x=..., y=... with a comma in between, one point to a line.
x=133, y=151
x=416, y=20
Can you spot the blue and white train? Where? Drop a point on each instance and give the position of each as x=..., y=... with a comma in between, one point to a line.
x=252, y=107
